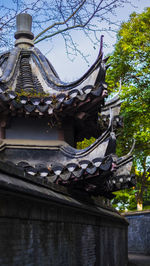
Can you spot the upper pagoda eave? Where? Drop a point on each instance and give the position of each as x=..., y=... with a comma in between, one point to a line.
x=28, y=78
x=12, y=62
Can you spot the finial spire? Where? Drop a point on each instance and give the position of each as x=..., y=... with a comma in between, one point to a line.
x=23, y=35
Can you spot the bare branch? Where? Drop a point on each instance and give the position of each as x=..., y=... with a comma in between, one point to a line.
x=60, y=23
x=61, y=17
x=58, y=32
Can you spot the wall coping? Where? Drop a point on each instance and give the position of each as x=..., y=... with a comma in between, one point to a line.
x=24, y=188
x=134, y=213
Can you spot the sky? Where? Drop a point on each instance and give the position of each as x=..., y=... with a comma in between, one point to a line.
x=68, y=70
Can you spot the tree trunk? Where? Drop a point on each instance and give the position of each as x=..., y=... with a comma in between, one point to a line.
x=142, y=180
x=139, y=205
x=139, y=199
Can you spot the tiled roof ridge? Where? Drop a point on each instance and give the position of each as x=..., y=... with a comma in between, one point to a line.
x=71, y=172
x=96, y=159
x=16, y=52
x=13, y=57
x=49, y=93
x=74, y=197
x=45, y=104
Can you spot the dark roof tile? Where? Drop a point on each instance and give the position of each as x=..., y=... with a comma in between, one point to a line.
x=78, y=173
x=61, y=97
x=16, y=104
x=65, y=175
x=57, y=169
x=35, y=100
x=52, y=178
x=71, y=167
x=97, y=162
x=68, y=102
x=87, y=89
x=23, y=164
x=42, y=108
x=97, y=92
x=73, y=93
x=50, y=110
x=29, y=108
x=43, y=172
x=23, y=99
x=12, y=95
x=30, y=170
x=91, y=170
x=48, y=100
x=84, y=163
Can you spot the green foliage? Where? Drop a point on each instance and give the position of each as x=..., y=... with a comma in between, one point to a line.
x=31, y=93
x=85, y=143
x=130, y=61
x=146, y=197
x=125, y=200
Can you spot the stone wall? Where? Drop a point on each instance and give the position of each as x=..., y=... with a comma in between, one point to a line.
x=139, y=232
x=41, y=227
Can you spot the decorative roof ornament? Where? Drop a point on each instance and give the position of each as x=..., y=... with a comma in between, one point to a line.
x=24, y=37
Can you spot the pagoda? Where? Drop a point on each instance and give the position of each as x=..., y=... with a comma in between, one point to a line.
x=42, y=118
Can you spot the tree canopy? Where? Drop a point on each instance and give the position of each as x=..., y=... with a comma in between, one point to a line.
x=130, y=61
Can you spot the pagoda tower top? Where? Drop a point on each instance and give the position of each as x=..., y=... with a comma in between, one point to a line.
x=24, y=37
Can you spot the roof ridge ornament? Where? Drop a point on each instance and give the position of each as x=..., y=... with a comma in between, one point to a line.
x=24, y=37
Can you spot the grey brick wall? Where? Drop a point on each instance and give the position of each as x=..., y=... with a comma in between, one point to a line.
x=139, y=232
x=40, y=233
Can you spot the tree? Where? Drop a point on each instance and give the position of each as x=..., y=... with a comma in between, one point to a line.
x=127, y=199
x=130, y=61
x=61, y=17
